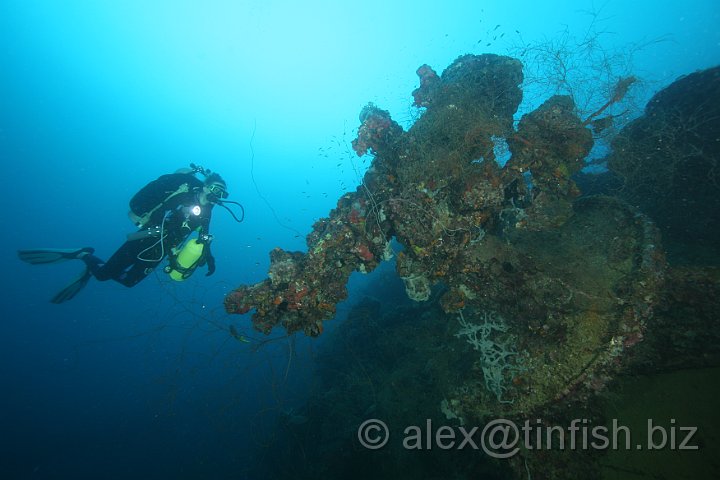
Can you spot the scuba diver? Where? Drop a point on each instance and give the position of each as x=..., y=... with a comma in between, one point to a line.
x=166, y=211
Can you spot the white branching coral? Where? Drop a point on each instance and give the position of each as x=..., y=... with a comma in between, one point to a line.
x=496, y=350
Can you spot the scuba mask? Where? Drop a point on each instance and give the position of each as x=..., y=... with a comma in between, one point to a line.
x=216, y=191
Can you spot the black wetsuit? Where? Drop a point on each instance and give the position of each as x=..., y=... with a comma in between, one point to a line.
x=135, y=259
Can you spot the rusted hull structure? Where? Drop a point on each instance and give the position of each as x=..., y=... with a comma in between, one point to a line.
x=569, y=283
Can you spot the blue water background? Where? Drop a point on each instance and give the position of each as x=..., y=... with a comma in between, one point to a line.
x=97, y=98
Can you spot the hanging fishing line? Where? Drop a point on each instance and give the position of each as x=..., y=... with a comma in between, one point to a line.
x=257, y=189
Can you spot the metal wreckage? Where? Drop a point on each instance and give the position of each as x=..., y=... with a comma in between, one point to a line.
x=550, y=289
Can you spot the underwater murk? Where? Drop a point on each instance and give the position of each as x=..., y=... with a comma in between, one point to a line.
x=541, y=286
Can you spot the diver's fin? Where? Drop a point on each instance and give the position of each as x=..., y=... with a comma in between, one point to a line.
x=47, y=255
x=72, y=289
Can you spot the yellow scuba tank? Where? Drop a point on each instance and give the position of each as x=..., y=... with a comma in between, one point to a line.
x=186, y=260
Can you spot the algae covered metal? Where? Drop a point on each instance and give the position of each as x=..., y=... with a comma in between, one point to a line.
x=548, y=291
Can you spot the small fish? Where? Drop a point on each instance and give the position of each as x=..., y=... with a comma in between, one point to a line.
x=496, y=27
x=236, y=335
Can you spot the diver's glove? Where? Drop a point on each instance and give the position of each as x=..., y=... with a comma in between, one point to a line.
x=207, y=255
x=210, y=264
